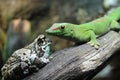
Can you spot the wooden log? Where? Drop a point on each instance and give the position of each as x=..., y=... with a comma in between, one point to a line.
x=81, y=62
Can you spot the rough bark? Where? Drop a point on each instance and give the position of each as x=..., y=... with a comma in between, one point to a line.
x=81, y=62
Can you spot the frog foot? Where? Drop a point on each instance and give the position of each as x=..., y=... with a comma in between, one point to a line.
x=44, y=60
x=94, y=44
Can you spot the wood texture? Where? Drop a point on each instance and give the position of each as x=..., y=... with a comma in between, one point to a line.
x=81, y=62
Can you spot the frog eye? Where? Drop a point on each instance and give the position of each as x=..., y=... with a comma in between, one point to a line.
x=62, y=27
x=39, y=41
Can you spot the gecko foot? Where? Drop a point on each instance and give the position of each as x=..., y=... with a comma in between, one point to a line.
x=94, y=44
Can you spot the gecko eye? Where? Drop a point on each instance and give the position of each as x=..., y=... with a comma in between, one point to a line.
x=62, y=27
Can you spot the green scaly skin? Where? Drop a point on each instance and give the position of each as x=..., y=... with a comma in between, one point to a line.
x=87, y=31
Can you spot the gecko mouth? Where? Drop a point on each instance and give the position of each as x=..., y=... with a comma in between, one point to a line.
x=56, y=32
x=50, y=31
x=47, y=31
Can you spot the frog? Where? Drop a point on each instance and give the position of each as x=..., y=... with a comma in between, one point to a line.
x=27, y=60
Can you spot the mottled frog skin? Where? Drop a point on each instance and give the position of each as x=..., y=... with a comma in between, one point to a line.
x=27, y=60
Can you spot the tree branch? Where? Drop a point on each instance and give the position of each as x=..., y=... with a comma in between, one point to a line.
x=82, y=62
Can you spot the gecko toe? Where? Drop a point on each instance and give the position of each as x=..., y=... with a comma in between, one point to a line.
x=94, y=44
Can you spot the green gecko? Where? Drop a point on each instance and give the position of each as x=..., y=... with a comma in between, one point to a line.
x=87, y=31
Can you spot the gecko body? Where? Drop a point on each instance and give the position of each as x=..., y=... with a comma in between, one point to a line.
x=87, y=32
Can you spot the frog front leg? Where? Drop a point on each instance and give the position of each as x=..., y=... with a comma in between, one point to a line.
x=46, y=54
x=46, y=50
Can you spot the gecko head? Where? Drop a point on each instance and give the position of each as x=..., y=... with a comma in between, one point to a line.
x=59, y=29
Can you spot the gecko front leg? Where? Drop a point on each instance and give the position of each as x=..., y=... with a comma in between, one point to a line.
x=93, y=41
